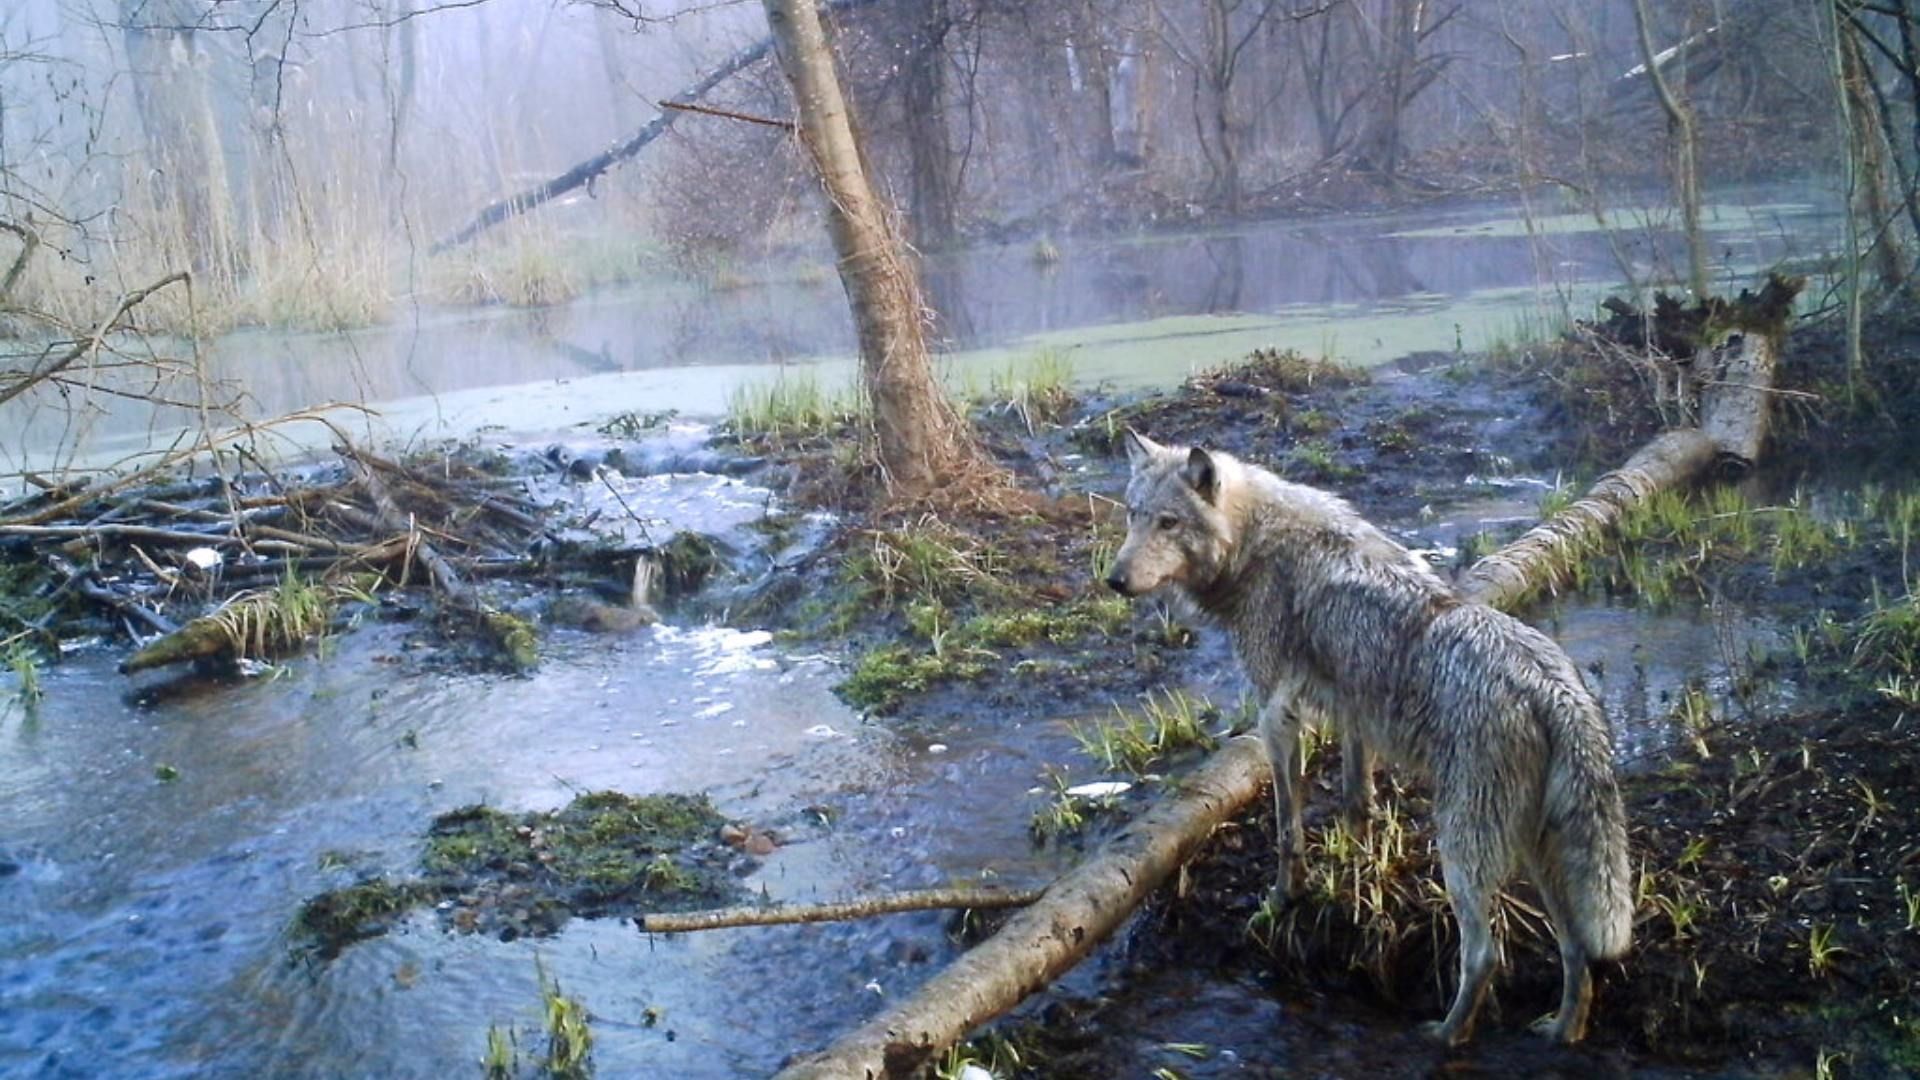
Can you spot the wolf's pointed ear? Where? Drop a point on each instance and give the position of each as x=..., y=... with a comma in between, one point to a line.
x=1200, y=474
x=1140, y=449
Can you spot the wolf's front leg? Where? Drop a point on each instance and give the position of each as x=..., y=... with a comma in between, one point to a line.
x=1280, y=730
x=1356, y=775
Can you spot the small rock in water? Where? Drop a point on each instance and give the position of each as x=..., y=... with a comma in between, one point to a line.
x=822, y=731
x=937, y=748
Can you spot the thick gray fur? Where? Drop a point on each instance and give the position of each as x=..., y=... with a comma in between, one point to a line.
x=1333, y=619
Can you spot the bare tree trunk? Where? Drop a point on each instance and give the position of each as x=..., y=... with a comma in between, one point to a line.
x=189, y=170
x=1399, y=51
x=1680, y=135
x=1855, y=311
x=1098, y=62
x=930, y=155
x=619, y=94
x=1869, y=158
x=402, y=102
x=922, y=442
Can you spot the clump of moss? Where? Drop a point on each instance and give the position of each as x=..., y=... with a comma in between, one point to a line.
x=604, y=853
x=367, y=908
x=686, y=561
x=518, y=643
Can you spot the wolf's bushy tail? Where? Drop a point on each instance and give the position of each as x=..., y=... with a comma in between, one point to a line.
x=1585, y=827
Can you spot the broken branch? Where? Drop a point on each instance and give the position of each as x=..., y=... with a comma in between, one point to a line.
x=661, y=922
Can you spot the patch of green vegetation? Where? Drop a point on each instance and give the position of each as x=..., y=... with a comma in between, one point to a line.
x=1038, y=389
x=1133, y=740
x=998, y=1054
x=962, y=650
x=1557, y=498
x=23, y=660
x=1889, y=637
x=262, y=623
x=791, y=408
x=1664, y=546
x=925, y=562
x=1406, y=430
x=1060, y=624
x=1313, y=459
x=1065, y=814
x=884, y=677
x=501, y=1059
x=569, y=1038
x=1290, y=371
x=24, y=587
x=1313, y=422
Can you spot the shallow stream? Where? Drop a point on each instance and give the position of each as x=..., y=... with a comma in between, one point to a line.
x=144, y=922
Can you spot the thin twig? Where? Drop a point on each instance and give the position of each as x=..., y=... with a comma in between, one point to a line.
x=729, y=114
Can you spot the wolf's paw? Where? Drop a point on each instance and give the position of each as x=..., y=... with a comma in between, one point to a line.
x=1436, y=1031
x=1551, y=1027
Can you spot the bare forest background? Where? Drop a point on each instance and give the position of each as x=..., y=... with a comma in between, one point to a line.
x=186, y=167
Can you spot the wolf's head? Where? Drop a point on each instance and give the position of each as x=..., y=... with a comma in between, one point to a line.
x=1177, y=530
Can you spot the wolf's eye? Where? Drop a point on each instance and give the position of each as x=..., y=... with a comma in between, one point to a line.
x=1167, y=522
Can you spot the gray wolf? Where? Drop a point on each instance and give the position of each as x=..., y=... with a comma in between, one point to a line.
x=1334, y=620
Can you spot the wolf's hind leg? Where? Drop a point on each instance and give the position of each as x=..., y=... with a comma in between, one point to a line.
x=1280, y=730
x=1470, y=894
x=1569, y=1025
x=1356, y=778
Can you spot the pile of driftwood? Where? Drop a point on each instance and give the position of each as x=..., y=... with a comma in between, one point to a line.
x=250, y=565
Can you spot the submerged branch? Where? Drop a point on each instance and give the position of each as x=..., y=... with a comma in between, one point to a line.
x=866, y=907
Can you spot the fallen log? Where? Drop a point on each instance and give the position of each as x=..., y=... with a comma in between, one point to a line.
x=1044, y=941
x=256, y=624
x=664, y=922
x=1538, y=560
x=1092, y=900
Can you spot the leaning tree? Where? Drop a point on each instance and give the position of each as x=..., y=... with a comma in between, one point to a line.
x=922, y=443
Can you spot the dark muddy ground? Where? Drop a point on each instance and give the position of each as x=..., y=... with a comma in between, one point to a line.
x=1778, y=932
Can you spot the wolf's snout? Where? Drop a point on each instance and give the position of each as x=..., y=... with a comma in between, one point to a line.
x=1118, y=583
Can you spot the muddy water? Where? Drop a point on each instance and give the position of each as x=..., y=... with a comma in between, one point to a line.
x=1139, y=311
